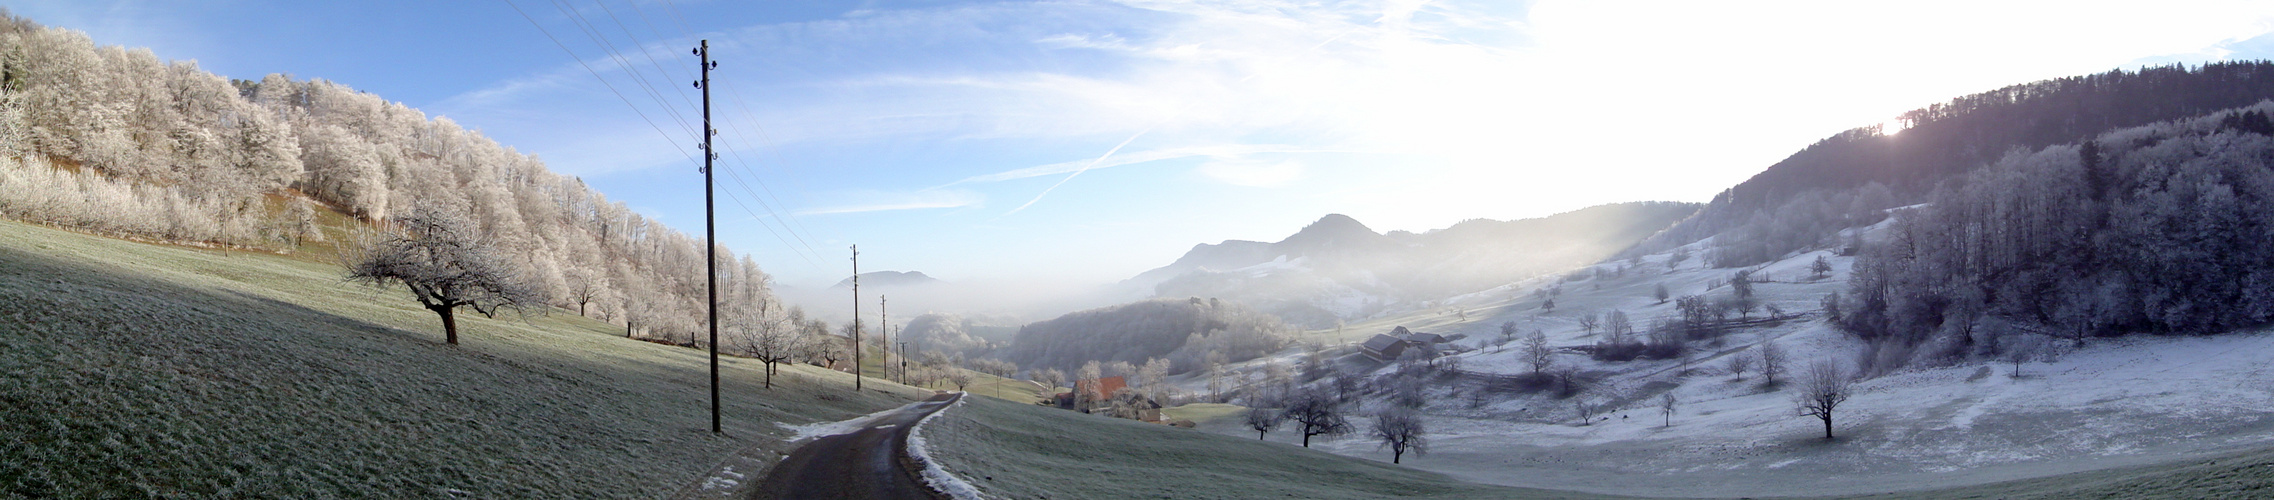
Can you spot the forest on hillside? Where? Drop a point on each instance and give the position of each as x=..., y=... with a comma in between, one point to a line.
x=114, y=141
x=1785, y=208
x=1189, y=332
x=2160, y=228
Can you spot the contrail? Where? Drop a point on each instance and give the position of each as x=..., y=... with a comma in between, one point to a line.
x=1085, y=168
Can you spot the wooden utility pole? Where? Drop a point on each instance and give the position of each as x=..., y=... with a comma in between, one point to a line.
x=884, y=326
x=856, y=318
x=710, y=228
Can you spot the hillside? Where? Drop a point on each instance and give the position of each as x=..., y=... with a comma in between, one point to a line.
x=173, y=371
x=1338, y=269
x=1183, y=331
x=2154, y=406
x=1950, y=139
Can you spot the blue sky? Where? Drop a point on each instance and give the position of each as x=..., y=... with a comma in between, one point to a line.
x=969, y=140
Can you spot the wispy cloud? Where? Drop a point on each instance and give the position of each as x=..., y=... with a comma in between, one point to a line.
x=1210, y=151
x=878, y=201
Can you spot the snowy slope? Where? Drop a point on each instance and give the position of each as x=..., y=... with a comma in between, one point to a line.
x=2113, y=402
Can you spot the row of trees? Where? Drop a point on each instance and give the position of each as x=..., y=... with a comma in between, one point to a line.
x=2160, y=228
x=116, y=141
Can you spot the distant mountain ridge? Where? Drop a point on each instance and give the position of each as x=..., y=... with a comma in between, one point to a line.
x=890, y=279
x=1338, y=268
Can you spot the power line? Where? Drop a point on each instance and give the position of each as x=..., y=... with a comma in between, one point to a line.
x=603, y=81
x=592, y=32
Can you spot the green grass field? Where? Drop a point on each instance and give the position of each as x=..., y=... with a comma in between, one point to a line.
x=149, y=370
x=1016, y=451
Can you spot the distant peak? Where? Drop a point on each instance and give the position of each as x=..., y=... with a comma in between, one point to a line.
x=1336, y=224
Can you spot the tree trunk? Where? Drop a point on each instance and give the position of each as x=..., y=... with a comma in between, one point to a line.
x=1827, y=427
x=580, y=308
x=449, y=324
x=769, y=375
x=1259, y=435
x=1396, y=454
x=1306, y=438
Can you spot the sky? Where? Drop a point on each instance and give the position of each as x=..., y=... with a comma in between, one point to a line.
x=1082, y=142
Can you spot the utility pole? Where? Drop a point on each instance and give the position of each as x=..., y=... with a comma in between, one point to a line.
x=884, y=325
x=710, y=227
x=856, y=318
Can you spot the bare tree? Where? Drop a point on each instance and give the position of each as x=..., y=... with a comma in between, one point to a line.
x=1263, y=420
x=1661, y=293
x=1820, y=268
x=1589, y=321
x=1617, y=327
x=1666, y=402
x=1401, y=431
x=1822, y=391
x=1537, y=352
x=446, y=264
x=1507, y=332
x=1547, y=307
x=958, y=376
x=1772, y=361
x=1317, y=413
x=1585, y=410
x=1739, y=363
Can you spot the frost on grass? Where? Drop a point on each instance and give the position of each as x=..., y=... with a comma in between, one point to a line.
x=934, y=475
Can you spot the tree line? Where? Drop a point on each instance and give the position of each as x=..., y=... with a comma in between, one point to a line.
x=2159, y=228
x=115, y=141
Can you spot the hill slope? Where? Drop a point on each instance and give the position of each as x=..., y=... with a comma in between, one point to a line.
x=1338, y=269
x=141, y=370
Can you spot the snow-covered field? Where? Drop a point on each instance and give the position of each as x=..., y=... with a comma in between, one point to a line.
x=2114, y=402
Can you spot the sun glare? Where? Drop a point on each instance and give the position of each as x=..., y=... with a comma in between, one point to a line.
x=1891, y=127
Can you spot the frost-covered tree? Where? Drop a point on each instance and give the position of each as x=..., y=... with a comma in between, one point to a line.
x=1401, y=431
x=1666, y=403
x=1772, y=360
x=1153, y=376
x=1660, y=292
x=1617, y=328
x=1822, y=266
x=445, y=264
x=1738, y=364
x=1049, y=377
x=1588, y=322
x=1537, y=352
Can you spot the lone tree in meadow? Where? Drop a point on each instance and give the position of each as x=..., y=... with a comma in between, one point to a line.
x=1263, y=420
x=1822, y=390
x=1400, y=430
x=1318, y=412
x=445, y=262
x=1537, y=352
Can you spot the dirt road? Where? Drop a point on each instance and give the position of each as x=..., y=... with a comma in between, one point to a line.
x=869, y=463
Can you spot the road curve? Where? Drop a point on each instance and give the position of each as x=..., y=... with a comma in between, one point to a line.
x=869, y=463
